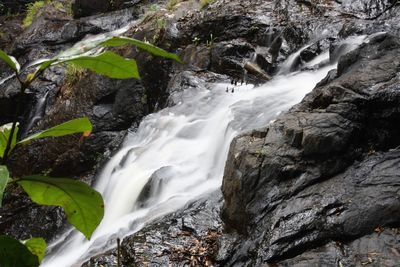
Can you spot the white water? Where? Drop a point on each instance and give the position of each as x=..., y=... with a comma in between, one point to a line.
x=37, y=112
x=187, y=146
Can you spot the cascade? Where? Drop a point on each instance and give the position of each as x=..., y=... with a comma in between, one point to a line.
x=37, y=112
x=180, y=152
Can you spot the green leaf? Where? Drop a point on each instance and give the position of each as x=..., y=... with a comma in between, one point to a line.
x=37, y=246
x=81, y=125
x=152, y=49
x=42, y=65
x=108, y=64
x=14, y=254
x=83, y=205
x=11, y=61
x=5, y=132
x=4, y=177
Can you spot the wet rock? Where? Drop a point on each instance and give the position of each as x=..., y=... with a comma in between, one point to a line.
x=18, y=210
x=367, y=9
x=196, y=58
x=315, y=49
x=351, y=113
x=377, y=249
x=313, y=176
x=228, y=57
x=13, y=6
x=254, y=69
x=189, y=235
x=113, y=106
x=84, y=8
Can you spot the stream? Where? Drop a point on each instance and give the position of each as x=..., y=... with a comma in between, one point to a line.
x=181, y=152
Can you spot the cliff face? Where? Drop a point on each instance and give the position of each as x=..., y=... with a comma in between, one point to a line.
x=318, y=187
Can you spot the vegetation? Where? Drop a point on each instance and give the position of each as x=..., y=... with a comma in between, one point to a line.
x=205, y=3
x=31, y=11
x=83, y=206
x=172, y=3
x=73, y=73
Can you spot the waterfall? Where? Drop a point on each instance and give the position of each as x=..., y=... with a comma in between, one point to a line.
x=182, y=151
x=36, y=113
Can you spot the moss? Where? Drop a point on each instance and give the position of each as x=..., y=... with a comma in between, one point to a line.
x=154, y=7
x=204, y=3
x=172, y=3
x=33, y=9
x=73, y=74
x=31, y=12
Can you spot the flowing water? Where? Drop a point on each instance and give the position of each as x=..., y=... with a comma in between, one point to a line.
x=185, y=147
x=37, y=112
x=182, y=151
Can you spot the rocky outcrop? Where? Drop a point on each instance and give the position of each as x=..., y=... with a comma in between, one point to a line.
x=84, y=8
x=325, y=171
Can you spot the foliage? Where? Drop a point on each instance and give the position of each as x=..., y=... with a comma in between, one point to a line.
x=205, y=3
x=11, y=61
x=210, y=41
x=13, y=253
x=4, y=177
x=172, y=3
x=31, y=12
x=83, y=206
x=81, y=125
x=109, y=64
x=37, y=246
x=73, y=73
x=154, y=8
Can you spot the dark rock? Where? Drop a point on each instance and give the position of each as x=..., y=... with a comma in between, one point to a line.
x=255, y=70
x=18, y=211
x=227, y=57
x=153, y=187
x=377, y=249
x=288, y=186
x=196, y=57
x=302, y=191
x=13, y=6
x=367, y=9
x=84, y=8
x=189, y=235
x=113, y=106
x=315, y=49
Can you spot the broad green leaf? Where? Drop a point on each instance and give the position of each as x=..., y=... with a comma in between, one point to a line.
x=83, y=205
x=10, y=60
x=4, y=177
x=45, y=64
x=108, y=64
x=5, y=132
x=152, y=49
x=81, y=125
x=14, y=254
x=37, y=246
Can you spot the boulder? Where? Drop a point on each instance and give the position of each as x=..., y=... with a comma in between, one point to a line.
x=84, y=8
x=315, y=175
